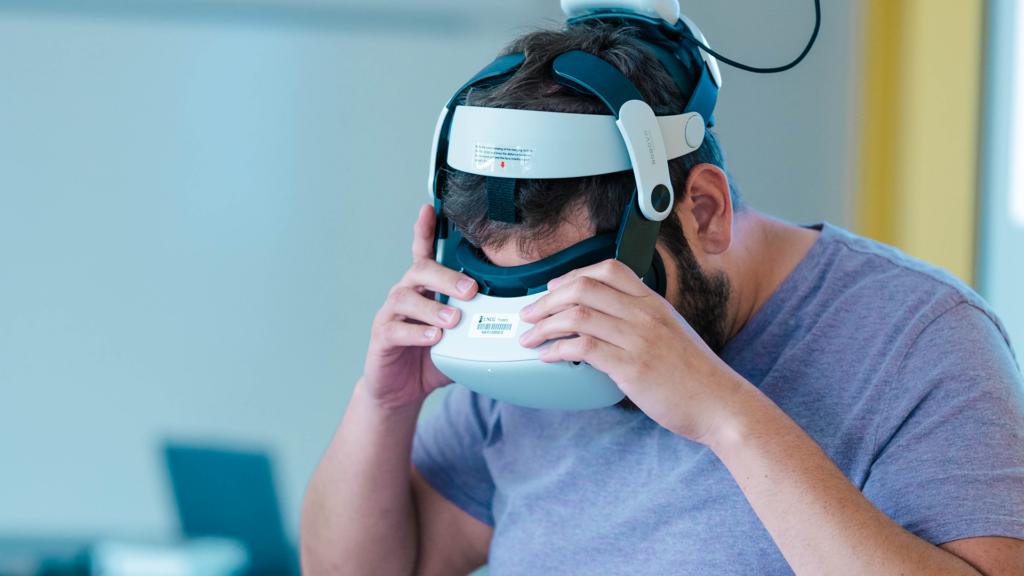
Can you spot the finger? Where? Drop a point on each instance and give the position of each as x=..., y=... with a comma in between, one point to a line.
x=580, y=291
x=408, y=303
x=598, y=353
x=398, y=334
x=577, y=320
x=423, y=234
x=610, y=272
x=439, y=278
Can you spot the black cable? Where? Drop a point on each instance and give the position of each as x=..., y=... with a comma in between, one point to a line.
x=735, y=64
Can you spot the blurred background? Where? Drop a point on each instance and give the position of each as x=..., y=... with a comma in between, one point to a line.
x=204, y=202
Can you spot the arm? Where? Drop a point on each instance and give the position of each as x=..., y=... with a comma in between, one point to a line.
x=365, y=512
x=990, y=555
x=820, y=521
x=358, y=514
x=451, y=541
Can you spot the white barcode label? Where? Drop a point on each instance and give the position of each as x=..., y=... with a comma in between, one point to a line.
x=494, y=326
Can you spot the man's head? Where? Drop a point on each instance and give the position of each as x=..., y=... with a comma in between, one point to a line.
x=556, y=213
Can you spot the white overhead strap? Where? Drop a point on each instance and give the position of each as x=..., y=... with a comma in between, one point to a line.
x=531, y=144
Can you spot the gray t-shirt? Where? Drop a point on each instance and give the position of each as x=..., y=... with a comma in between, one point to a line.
x=898, y=370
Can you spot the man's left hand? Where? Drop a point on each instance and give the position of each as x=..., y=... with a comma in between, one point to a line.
x=635, y=336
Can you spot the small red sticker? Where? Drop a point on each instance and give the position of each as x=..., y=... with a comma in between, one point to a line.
x=502, y=163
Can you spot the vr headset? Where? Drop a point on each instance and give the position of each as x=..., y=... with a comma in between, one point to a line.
x=483, y=352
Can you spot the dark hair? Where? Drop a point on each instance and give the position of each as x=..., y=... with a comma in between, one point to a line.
x=542, y=205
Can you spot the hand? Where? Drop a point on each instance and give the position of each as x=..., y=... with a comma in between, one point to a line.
x=398, y=371
x=635, y=336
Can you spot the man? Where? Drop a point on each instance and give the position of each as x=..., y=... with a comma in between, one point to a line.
x=802, y=401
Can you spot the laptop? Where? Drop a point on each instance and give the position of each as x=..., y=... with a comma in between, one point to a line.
x=231, y=494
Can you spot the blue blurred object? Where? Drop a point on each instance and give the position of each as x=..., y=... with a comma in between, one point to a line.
x=231, y=494
x=43, y=557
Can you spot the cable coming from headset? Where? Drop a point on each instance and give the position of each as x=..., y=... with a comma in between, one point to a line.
x=735, y=64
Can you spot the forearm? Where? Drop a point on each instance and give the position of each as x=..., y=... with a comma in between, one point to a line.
x=358, y=515
x=818, y=519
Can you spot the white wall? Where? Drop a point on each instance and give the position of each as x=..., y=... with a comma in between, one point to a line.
x=190, y=235
x=790, y=138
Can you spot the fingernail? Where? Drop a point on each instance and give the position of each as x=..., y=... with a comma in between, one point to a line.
x=464, y=284
x=430, y=333
x=525, y=335
x=543, y=352
x=526, y=310
x=447, y=313
x=554, y=283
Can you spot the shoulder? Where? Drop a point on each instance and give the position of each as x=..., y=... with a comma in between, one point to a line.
x=943, y=347
x=456, y=416
x=886, y=283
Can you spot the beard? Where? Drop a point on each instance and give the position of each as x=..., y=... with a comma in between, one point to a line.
x=701, y=298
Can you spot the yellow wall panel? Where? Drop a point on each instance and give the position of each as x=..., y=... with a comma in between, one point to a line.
x=880, y=118
x=920, y=131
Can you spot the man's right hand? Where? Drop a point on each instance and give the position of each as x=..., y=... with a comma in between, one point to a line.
x=399, y=371
x=367, y=510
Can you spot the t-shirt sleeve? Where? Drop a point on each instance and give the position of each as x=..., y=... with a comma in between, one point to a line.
x=950, y=458
x=448, y=451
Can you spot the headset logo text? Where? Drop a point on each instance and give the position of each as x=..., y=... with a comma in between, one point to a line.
x=650, y=146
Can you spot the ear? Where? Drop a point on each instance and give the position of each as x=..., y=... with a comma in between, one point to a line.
x=706, y=211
